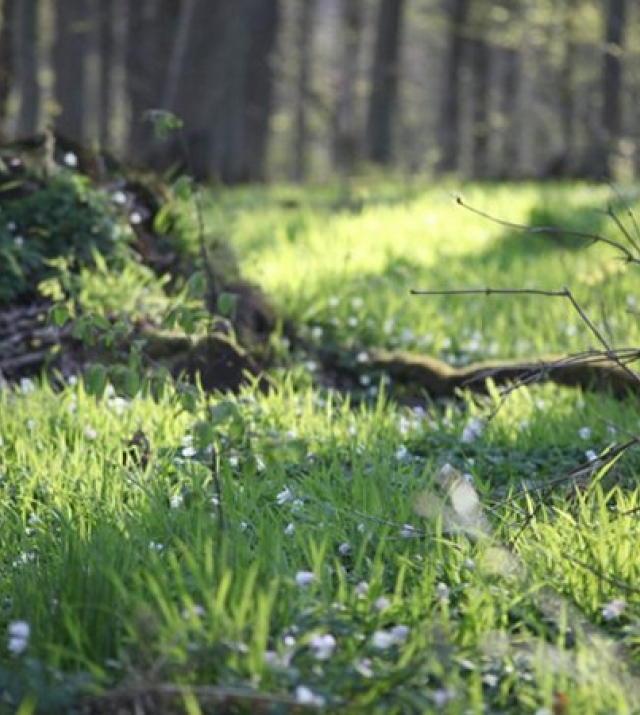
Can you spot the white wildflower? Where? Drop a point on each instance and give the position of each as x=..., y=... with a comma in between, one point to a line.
x=408, y=531
x=584, y=432
x=401, y=453
x=361, y=589
x=387, y=638
x=442, y=696
x=195, y=611
x=19, y=632
x=306, y=696
x=613, y=609
x=289, y=531
x=382, y=603
x=472, y=430
x=322, y=646
x=284, y=496
x=400, y=633
x=305, y=578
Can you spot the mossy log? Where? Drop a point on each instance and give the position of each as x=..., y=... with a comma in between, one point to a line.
x=440, y=380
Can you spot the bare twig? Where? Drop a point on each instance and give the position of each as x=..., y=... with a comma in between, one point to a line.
x=491, y=291
x=593, y=237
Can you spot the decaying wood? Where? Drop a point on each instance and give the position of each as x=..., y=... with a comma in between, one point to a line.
x=589, y=371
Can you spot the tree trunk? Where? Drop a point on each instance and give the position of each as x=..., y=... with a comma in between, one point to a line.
x=265, y=20
x=8, y=8
x=26, y=60
x=70, y=66
x=228, y=154
x=565, y=165
x=304, y=52
x=149, y=35
x=450, y=119
x=611, y=117
x=384, y=81
x=106, y=42
x=220, y=85
x=480, y=55
x=346, y=130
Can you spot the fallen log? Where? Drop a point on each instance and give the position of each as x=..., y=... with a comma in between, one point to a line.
x=590, y=371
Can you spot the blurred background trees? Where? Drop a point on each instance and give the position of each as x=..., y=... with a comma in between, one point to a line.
x=305, y=89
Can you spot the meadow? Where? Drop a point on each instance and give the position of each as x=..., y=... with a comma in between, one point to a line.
x=313, y=549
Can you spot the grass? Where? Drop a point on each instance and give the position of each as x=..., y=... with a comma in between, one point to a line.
x=303, y=551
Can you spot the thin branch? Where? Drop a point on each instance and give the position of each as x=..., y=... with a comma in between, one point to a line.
x=594, y=237
x=598, y=464
x=491, y=291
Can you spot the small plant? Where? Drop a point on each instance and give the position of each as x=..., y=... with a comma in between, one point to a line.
x=64, y=218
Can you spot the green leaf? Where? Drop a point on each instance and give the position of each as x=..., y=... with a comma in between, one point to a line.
x=226, y=304
x=96, y=380
x=59, y=315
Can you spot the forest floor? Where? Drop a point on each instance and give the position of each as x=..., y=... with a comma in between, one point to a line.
x=330, y=536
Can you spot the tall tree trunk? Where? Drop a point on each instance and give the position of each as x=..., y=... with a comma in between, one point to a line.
x=450, y=118
x=176, y=67
x=265, y=20
x=346, y=130
x=611, y=118
x=70, y=66
x=228, y=155
x=508, y=110
x=224, y=90
x=304, y=52
x=480, y=55
x=7, y=9
x=26, y=61
x=106, y=41
x=525, y=164
x=566, y=163
x=384, y=81
x=149, y=35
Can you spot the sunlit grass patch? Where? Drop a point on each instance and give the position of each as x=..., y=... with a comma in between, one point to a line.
x=304, y=550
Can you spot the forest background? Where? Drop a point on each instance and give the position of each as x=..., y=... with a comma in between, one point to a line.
x=307, y=89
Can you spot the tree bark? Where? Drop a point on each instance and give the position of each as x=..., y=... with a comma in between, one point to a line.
x=456, y=12
x=265, y=20
x=149, y=34
x=224, y=94
x=106, y=43
x=70, y=66
x=611, y=118
x=479, y=51
x=26, y=51
x=8, y=8
x=384, y=81
x=346, y=129
x=304, y=52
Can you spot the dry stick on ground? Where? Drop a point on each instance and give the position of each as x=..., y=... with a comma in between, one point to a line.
x=618, y=357
x=592, y=357
x=629, y=257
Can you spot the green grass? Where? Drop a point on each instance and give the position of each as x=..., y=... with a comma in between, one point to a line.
x=337, y=566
